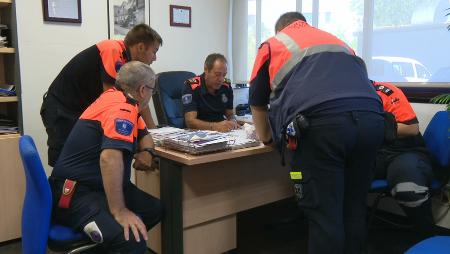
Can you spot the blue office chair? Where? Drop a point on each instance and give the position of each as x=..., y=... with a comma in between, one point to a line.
x=437, y=140
x=37, y=229
x=167, y=99
x=435, y=245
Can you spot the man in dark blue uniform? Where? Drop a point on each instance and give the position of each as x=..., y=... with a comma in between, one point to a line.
x=406, y=163
x=208, y=98
x=90, y=182
x=322, y=102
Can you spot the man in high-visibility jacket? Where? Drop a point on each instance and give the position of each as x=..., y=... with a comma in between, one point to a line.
x=86, y=76
x=324, y=106
x=406, y=163
x=91, y=186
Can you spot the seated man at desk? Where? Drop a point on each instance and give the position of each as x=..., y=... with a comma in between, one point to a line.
x=90, y=182
x=208, y=98
x=405, y=163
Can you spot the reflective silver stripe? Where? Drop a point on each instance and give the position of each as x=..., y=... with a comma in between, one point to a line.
x=297, y=55
x=411, y=187
x=408, y=187
x=415, y=203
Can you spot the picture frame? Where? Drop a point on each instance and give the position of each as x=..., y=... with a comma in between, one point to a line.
x=124, y=14
x=180, y=15
x=62, y=10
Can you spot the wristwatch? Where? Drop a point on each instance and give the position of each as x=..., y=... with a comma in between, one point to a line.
x=151, y=151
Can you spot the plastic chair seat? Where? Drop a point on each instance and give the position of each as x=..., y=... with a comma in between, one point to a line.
x=378, y=185
x=61, y=238
x=62, y=233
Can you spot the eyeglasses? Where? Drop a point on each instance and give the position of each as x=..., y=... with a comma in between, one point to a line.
x=151, y=88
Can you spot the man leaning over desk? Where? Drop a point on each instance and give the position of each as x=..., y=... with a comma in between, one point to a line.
x=208, y=98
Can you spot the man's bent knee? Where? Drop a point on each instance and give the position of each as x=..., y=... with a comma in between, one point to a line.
x=410, y=194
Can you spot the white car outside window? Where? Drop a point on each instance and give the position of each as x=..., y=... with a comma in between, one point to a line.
x=410, y=69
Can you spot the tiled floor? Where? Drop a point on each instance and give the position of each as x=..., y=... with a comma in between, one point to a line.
x=280, y=228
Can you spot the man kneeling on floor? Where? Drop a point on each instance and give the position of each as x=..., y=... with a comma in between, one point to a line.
x=90, y=182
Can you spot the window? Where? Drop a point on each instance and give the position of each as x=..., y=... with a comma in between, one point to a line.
x=393, y=37
x=251, y=38
x=402, y=31
x=343, y=19
x=271, y=10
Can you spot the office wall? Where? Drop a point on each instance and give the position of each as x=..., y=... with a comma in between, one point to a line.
x=44, y=48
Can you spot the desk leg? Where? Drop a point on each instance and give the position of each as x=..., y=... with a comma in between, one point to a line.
x=171, y=197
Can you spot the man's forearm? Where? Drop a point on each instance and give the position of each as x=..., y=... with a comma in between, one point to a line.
x=199, y=124
x=147, y=116
x=146, y=142
x=405, y=130
x=261, y=122
x=111, y=165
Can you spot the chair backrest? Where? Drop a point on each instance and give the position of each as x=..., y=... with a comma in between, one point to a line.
x=167, y=100
x=37, y=205
x=437, y=140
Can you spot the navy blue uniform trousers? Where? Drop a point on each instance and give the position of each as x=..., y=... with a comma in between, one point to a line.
x=336, y=156
x=90, y=206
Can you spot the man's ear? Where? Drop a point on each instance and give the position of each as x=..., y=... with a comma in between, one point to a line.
x=141, y=46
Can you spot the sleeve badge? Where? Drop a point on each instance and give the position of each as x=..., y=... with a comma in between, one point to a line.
x=186, y=98
x=123, y=126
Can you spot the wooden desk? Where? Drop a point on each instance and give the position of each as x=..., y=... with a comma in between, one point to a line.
x=203, y=194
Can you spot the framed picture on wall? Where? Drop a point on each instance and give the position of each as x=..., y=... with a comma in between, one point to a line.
x=62, y=10
x=124, y=14
x=180, y=15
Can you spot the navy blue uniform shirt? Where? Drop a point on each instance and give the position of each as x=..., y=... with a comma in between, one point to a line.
x=209, y=107
x=111, y=122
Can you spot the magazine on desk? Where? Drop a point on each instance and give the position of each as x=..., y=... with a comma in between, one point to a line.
x=201, y=141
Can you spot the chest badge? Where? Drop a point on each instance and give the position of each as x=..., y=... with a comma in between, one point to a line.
x=224, y=98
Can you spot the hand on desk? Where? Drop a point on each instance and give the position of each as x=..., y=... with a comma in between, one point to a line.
x=225, y=126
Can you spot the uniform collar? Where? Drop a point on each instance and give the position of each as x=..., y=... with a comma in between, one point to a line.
x=129, y=99
x=126, y=54
x=203, y=84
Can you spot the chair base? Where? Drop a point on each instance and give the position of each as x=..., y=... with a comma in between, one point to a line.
x=70, y=247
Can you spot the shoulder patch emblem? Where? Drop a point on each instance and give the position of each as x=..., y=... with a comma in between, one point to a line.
x=123, y=126
x=224, y=98
x=384, y=90
x=192, y=81
x=186, y=98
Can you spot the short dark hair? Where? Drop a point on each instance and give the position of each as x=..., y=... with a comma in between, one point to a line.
x=211, y=59
x=142, y=33
x=287, y=18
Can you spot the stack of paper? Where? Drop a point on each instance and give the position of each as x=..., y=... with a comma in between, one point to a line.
x=197, y=142
x=7, y=126
x=160, y=134
x=239, y=139
x=7, y=90
x=3, y=39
